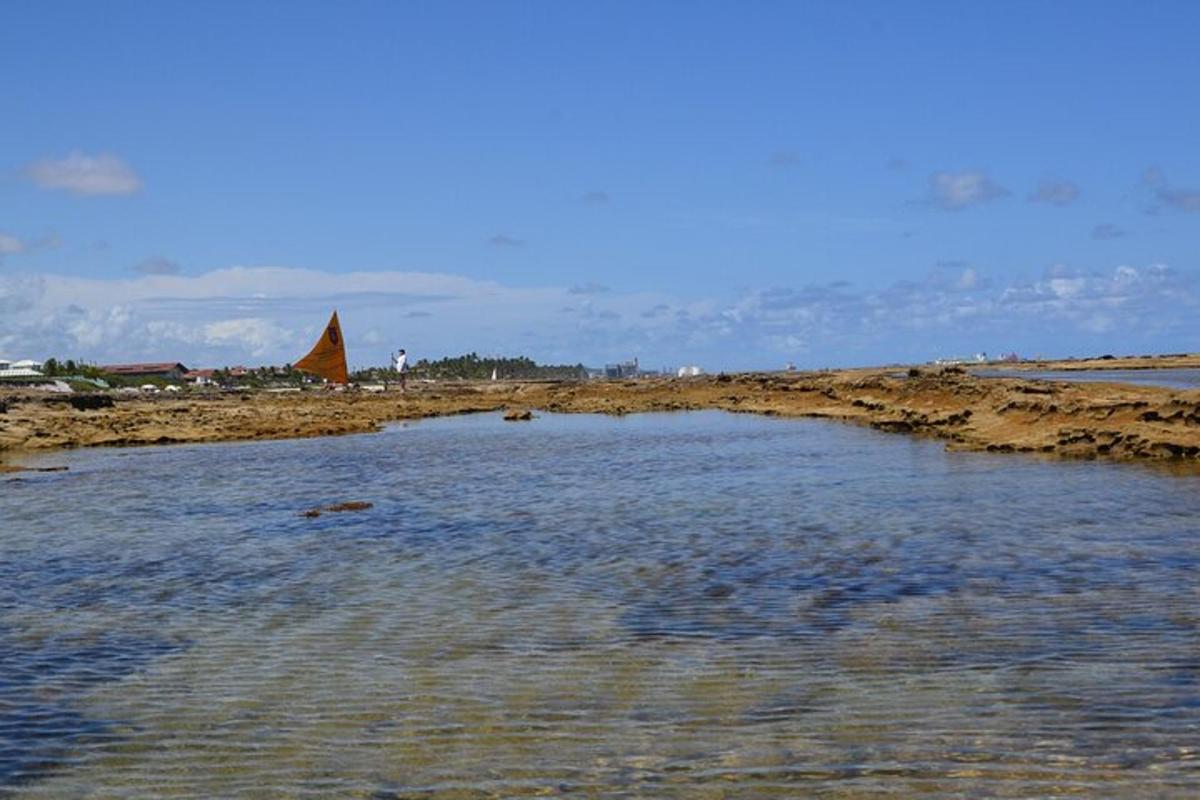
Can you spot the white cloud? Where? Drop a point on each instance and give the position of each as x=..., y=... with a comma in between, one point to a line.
x=1055, y=191
x=1128, y=309
x=10, y=245
x=1167, y=195
x=968, y=279
x=258, y=336
x=955, y=191
x=84, y=174
x=271, y=315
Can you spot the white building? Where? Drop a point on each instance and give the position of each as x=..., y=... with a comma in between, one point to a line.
x=25, y=368
x=689, y=372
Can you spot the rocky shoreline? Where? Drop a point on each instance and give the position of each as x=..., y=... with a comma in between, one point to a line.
x=1077, y=420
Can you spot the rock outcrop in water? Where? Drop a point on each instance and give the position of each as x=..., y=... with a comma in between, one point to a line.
x=337, y=508
x=1081, y=420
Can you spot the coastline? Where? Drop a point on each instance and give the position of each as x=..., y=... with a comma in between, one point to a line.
x=1103, y=363
x=1054, y=418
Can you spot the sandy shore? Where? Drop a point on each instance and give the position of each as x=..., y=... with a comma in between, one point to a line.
x=1078, y=420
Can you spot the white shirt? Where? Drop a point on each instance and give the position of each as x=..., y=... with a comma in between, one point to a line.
x=401, y=361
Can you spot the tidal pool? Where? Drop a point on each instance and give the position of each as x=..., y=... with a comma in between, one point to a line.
x=1167, y=378
x=694, y=605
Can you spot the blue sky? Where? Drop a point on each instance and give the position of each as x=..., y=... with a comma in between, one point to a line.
x=735, y=185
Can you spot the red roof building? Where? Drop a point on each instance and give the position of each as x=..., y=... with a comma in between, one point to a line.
x=168, y=370
x=200, y=377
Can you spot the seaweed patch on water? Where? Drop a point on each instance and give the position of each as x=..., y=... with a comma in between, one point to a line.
x=337, y=508
x=771, y=594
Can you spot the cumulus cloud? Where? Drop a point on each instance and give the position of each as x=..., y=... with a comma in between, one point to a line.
x=504, y=240
x=84, y=174
x=956, y=275
x=157, y=265
x=1055, y=191
x=955, y=191
x=596, y=198
x=1167, y=195
x=1106, y=230
x=272, y=314
x=269, y=315
x=1065, y=311
x=9, y=245
x=255, y=335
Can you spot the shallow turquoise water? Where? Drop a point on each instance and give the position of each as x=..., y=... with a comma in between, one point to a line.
x=691, y=605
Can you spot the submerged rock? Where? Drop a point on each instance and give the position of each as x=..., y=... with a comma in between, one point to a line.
x=353, y=505
x=18, y=468
x=518, y=415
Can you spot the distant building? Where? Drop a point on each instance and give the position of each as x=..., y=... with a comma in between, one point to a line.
x=627, y=369
x=689, y=371
x=171, y=371
x=20, y=370
x=199, y=377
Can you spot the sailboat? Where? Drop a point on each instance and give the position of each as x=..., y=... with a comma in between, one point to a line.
x=327, y=359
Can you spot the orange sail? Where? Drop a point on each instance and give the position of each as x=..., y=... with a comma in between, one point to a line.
x=328, y=356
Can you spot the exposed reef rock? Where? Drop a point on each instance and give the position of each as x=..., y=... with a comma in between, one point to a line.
x=1078, y=420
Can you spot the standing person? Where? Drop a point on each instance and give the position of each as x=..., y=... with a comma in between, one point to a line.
x=400, y=364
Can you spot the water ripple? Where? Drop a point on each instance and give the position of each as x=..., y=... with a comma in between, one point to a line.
x=691, y=605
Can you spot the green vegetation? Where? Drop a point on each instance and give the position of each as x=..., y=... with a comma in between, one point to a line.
x=472, y=367
x=53, y=368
